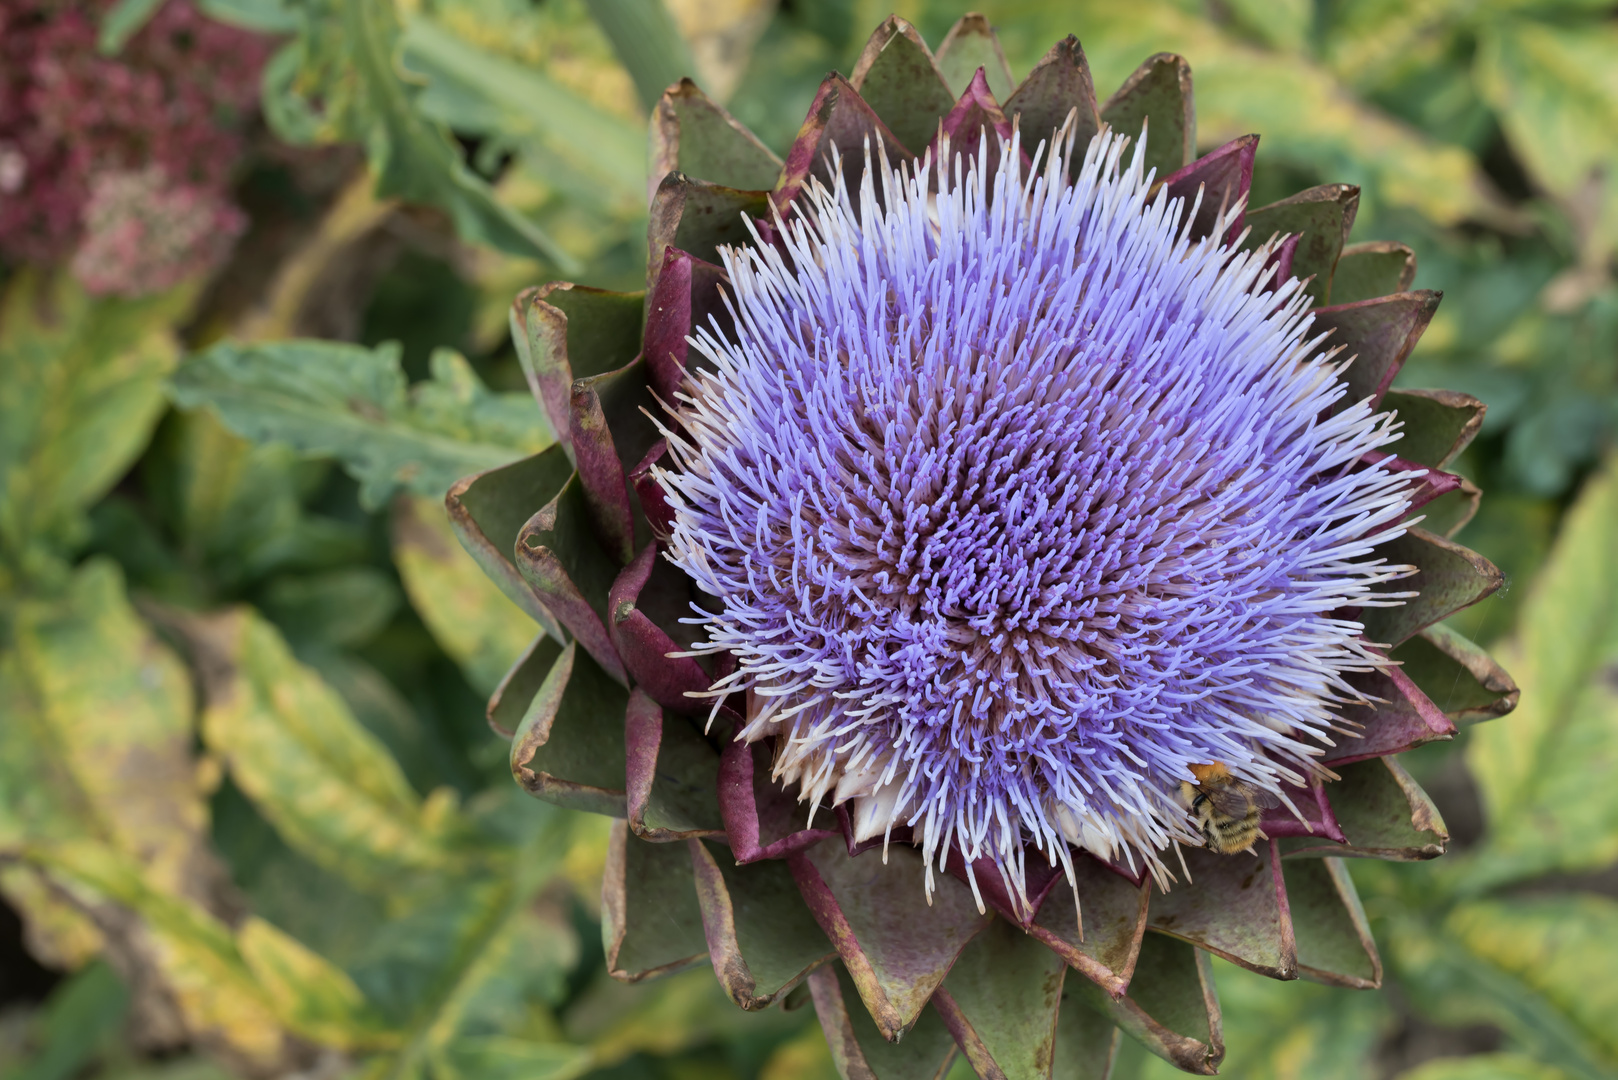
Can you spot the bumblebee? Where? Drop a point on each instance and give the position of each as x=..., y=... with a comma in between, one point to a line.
x=1227, y=810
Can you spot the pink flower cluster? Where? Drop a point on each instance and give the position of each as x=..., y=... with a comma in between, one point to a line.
x=82, y=133
x=143, y=233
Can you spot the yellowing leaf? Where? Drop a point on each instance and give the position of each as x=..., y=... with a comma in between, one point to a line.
x=309, y=994
x=327, y=785
x=806, y=1057
x=468, y=615
x=1564, y=947
x=108, y=724
x=201, y=970
x=1556, y=91
x=1304, y=114
x=55, y=933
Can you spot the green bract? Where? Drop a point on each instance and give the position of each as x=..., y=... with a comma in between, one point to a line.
x=712, y=859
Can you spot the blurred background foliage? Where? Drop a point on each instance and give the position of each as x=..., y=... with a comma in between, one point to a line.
x=252, y=822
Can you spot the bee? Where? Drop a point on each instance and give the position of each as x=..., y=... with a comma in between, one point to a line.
x=1227, y=809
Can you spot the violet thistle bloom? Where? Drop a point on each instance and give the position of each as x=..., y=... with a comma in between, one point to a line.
x=1018, y=502
x=939, y=519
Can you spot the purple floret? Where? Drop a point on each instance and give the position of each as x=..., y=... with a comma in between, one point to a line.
x=1016, y=506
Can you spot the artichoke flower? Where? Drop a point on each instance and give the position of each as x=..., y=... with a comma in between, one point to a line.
x=962, y=495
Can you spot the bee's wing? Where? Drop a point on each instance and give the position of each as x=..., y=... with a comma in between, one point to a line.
x=1231, y=801
x=1262, y=799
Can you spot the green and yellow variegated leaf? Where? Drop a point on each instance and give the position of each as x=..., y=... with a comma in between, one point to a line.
x=83, y=387
x=309, y=994
x=55, y=932
x=803, y=1057
x=470, y=618
x=1555, y=90
x=249, y=988
x=1544, y=778
x=1563, y=947
x=327, y=785
x=201, y=971
x=1298, y=1029
x=97, y=734
x=475, y=90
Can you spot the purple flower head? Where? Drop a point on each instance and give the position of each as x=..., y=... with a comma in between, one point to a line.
x=1016, y=502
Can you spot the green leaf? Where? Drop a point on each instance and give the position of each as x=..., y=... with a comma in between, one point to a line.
x=82, y=390
x=1533, y=966
x=1234, y=910
x=1086, y=1041
x=468, y=615
x=481, y=961
x=1278, y=1030
x=1448, y=577
x=340, y=80
x=1321, y=217
x=1157, y=98
x=1543, y=775
x=123, y=21
x=1438, y=424
x=1450, y=985
x=499, y=1057
x=82, y=1012
x=569, y=748
x=326, y=784
x=899, y=78
x=1460, y=678
x=233, y=508
x=333, y=609
x=761, y=937
x=59, y=935
x=261, y=16
x=513, y=100
x=971, y=45
x=1371, y=269
x=1334, y=940
x=666, y=1016
x=694, y=135
x=673, y=774
x=859, y=1049
x=647, y=42
x=1484, y=1067
x=1172, y=1007
x=1384, y=814
x=353, y=404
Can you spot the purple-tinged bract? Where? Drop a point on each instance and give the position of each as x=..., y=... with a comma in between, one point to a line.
x=1016, y=501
